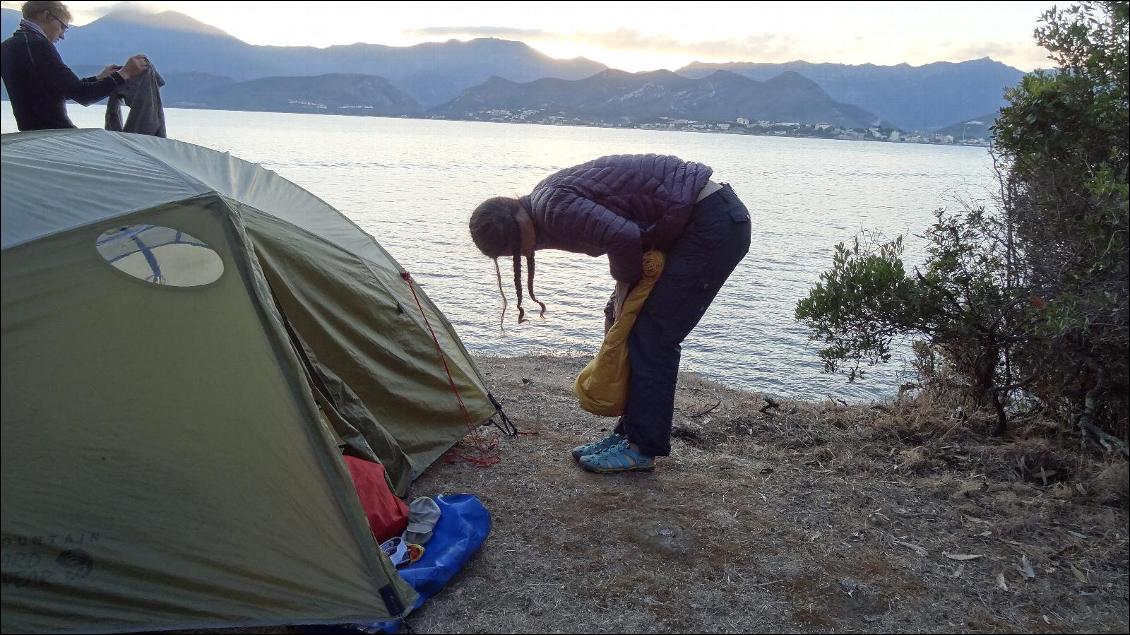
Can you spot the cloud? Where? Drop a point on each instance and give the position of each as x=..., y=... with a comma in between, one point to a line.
x=751, y=48
x=1023, y=55
x=482, y=31
x=93, y=12
x=88, y=12
x=764, y=46
x=996, y=50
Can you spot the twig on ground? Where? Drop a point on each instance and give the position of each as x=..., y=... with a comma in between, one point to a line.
x=707, y=411
x=769, y=405
x=768, y=583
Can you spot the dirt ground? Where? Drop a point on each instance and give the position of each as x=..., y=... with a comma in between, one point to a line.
x=804, y=517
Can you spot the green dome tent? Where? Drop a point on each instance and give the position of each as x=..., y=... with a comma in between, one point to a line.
x=188, y=338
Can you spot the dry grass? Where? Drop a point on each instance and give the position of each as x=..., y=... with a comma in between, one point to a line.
x=807, y=517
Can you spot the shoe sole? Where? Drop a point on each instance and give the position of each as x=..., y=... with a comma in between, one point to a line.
x=617, y=470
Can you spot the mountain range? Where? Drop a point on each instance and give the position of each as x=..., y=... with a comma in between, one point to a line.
x=432, y=73
x=206, y=67
x=633, y=98
x=910, y=97
x=972, y=128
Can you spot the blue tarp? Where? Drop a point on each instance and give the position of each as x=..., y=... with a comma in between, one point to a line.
x=461, y=530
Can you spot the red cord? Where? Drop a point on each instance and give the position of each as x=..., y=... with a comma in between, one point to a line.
x=451, y=380
x=454, y=455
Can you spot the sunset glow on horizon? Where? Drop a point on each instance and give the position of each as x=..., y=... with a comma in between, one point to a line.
x=629, y=37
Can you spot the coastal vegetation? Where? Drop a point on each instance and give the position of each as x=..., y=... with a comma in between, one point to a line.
x=1020, y=309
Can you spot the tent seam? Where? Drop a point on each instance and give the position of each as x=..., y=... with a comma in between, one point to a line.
x=128, y=212
x=187, y=180
x=351, y=509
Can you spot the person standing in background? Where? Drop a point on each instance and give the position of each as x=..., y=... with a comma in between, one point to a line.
x=39, y=83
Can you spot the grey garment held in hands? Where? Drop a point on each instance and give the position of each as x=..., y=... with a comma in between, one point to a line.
x=423, y=514
x=142, y=93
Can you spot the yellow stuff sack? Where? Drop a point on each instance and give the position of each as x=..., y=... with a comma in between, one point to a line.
x=602, y=387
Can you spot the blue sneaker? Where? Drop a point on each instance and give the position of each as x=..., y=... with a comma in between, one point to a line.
x=596, y=447
x=618, y=458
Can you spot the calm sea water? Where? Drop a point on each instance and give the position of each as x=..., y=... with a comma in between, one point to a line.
x=413, y=183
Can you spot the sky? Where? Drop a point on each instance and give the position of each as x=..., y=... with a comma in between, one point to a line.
x=637, y=36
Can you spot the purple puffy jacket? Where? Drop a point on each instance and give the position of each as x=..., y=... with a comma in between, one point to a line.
x=621, y=205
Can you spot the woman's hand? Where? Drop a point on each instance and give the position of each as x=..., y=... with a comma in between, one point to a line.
x=609, y=312
x=134, y=66
x=622, y=290
x=615, y=305
x=109, y=70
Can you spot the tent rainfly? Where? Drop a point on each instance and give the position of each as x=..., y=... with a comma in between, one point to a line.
x=189, y=340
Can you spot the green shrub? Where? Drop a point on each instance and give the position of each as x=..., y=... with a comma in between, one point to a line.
x=1030, y=300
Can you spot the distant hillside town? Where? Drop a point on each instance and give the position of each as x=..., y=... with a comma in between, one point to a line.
x=742, y=125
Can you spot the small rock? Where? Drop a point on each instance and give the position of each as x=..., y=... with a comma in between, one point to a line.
x=969, y=509
x=1061, y=491
x=665, y=537
x=970, y=489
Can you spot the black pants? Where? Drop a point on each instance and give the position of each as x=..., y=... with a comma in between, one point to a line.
x=699, y=262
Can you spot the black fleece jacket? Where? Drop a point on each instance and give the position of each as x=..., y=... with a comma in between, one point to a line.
x=39, y=83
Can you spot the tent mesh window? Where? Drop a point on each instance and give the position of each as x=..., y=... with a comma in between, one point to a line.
x=160, y=255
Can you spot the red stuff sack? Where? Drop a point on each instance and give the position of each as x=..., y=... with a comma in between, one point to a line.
x=387, y=514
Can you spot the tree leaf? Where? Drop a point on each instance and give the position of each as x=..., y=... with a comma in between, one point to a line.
x=1079, y=575
x=915, y=548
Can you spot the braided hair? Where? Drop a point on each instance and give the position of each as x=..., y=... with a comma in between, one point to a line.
x=495, y=231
